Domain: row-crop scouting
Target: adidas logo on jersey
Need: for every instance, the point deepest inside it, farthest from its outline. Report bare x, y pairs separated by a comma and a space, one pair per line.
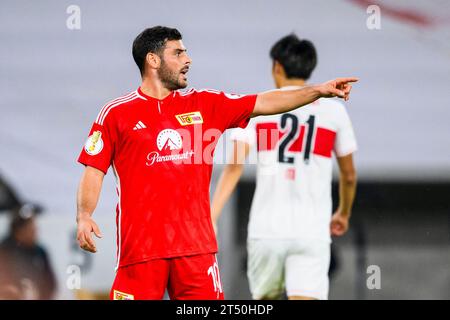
139, 125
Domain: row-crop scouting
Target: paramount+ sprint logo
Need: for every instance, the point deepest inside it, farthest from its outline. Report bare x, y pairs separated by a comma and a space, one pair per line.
188, 144
170, 144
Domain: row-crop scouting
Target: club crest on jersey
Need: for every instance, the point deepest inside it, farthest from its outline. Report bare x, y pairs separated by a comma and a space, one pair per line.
122, 296
186, 119
94, 144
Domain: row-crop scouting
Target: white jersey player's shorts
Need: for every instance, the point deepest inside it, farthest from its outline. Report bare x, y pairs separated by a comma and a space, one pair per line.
299, 267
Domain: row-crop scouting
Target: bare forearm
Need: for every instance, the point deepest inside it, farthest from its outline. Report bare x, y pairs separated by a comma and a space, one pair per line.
88, 192
347, 192
225, 187
280, 101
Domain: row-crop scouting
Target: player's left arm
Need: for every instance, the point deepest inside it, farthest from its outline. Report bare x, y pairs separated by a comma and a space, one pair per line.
347, 190
280, 101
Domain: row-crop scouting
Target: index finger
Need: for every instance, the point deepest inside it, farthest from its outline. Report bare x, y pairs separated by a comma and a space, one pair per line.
347, 80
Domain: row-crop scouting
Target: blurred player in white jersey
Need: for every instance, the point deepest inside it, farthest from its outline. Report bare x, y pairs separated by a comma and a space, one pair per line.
291, 215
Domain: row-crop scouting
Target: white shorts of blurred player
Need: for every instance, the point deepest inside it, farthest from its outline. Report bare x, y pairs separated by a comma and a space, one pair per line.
297, 267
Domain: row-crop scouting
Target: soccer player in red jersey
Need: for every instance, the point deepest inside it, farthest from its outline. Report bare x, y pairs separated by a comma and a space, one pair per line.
160, 142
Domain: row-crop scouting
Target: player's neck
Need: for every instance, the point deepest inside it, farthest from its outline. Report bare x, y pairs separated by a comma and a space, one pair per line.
154, 89
291, 83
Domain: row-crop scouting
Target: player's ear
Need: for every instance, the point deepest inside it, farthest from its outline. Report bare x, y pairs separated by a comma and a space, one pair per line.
278, 69
153, 60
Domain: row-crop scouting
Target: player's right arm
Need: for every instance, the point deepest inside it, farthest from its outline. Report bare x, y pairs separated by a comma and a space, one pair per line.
229, 179
87, 198
281, 101
97, 157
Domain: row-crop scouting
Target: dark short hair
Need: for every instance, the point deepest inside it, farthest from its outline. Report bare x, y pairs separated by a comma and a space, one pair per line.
152, 40
298, 57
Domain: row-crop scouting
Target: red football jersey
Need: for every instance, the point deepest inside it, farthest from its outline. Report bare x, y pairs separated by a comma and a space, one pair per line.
161, 152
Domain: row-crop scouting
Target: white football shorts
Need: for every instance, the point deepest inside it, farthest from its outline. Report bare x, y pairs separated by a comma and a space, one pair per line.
295, 266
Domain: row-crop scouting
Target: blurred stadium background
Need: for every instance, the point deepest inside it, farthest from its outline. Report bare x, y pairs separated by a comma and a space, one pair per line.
53, 81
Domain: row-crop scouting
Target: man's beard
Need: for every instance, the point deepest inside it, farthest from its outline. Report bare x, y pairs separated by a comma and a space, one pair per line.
170, 78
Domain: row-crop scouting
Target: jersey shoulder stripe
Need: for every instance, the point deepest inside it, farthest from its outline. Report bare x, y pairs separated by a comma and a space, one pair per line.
131, 98
193, 90
187, 92
102, 110
114, 103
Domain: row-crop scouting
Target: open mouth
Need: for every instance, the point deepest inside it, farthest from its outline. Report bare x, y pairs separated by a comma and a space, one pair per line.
184, 71
183, 74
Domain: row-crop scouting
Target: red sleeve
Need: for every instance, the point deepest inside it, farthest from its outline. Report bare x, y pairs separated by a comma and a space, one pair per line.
237, 109
230, 110
99, 148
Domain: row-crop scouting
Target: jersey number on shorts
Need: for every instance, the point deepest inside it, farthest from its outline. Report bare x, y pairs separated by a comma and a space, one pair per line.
213, 271
292, 134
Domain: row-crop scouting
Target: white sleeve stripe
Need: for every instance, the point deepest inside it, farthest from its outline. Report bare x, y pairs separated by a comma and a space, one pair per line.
186, 93
102, 118
105, 107
112, 102
192, 90
209, 90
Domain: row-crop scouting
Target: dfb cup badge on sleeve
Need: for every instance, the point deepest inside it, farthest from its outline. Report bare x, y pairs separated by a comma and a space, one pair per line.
94, 144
